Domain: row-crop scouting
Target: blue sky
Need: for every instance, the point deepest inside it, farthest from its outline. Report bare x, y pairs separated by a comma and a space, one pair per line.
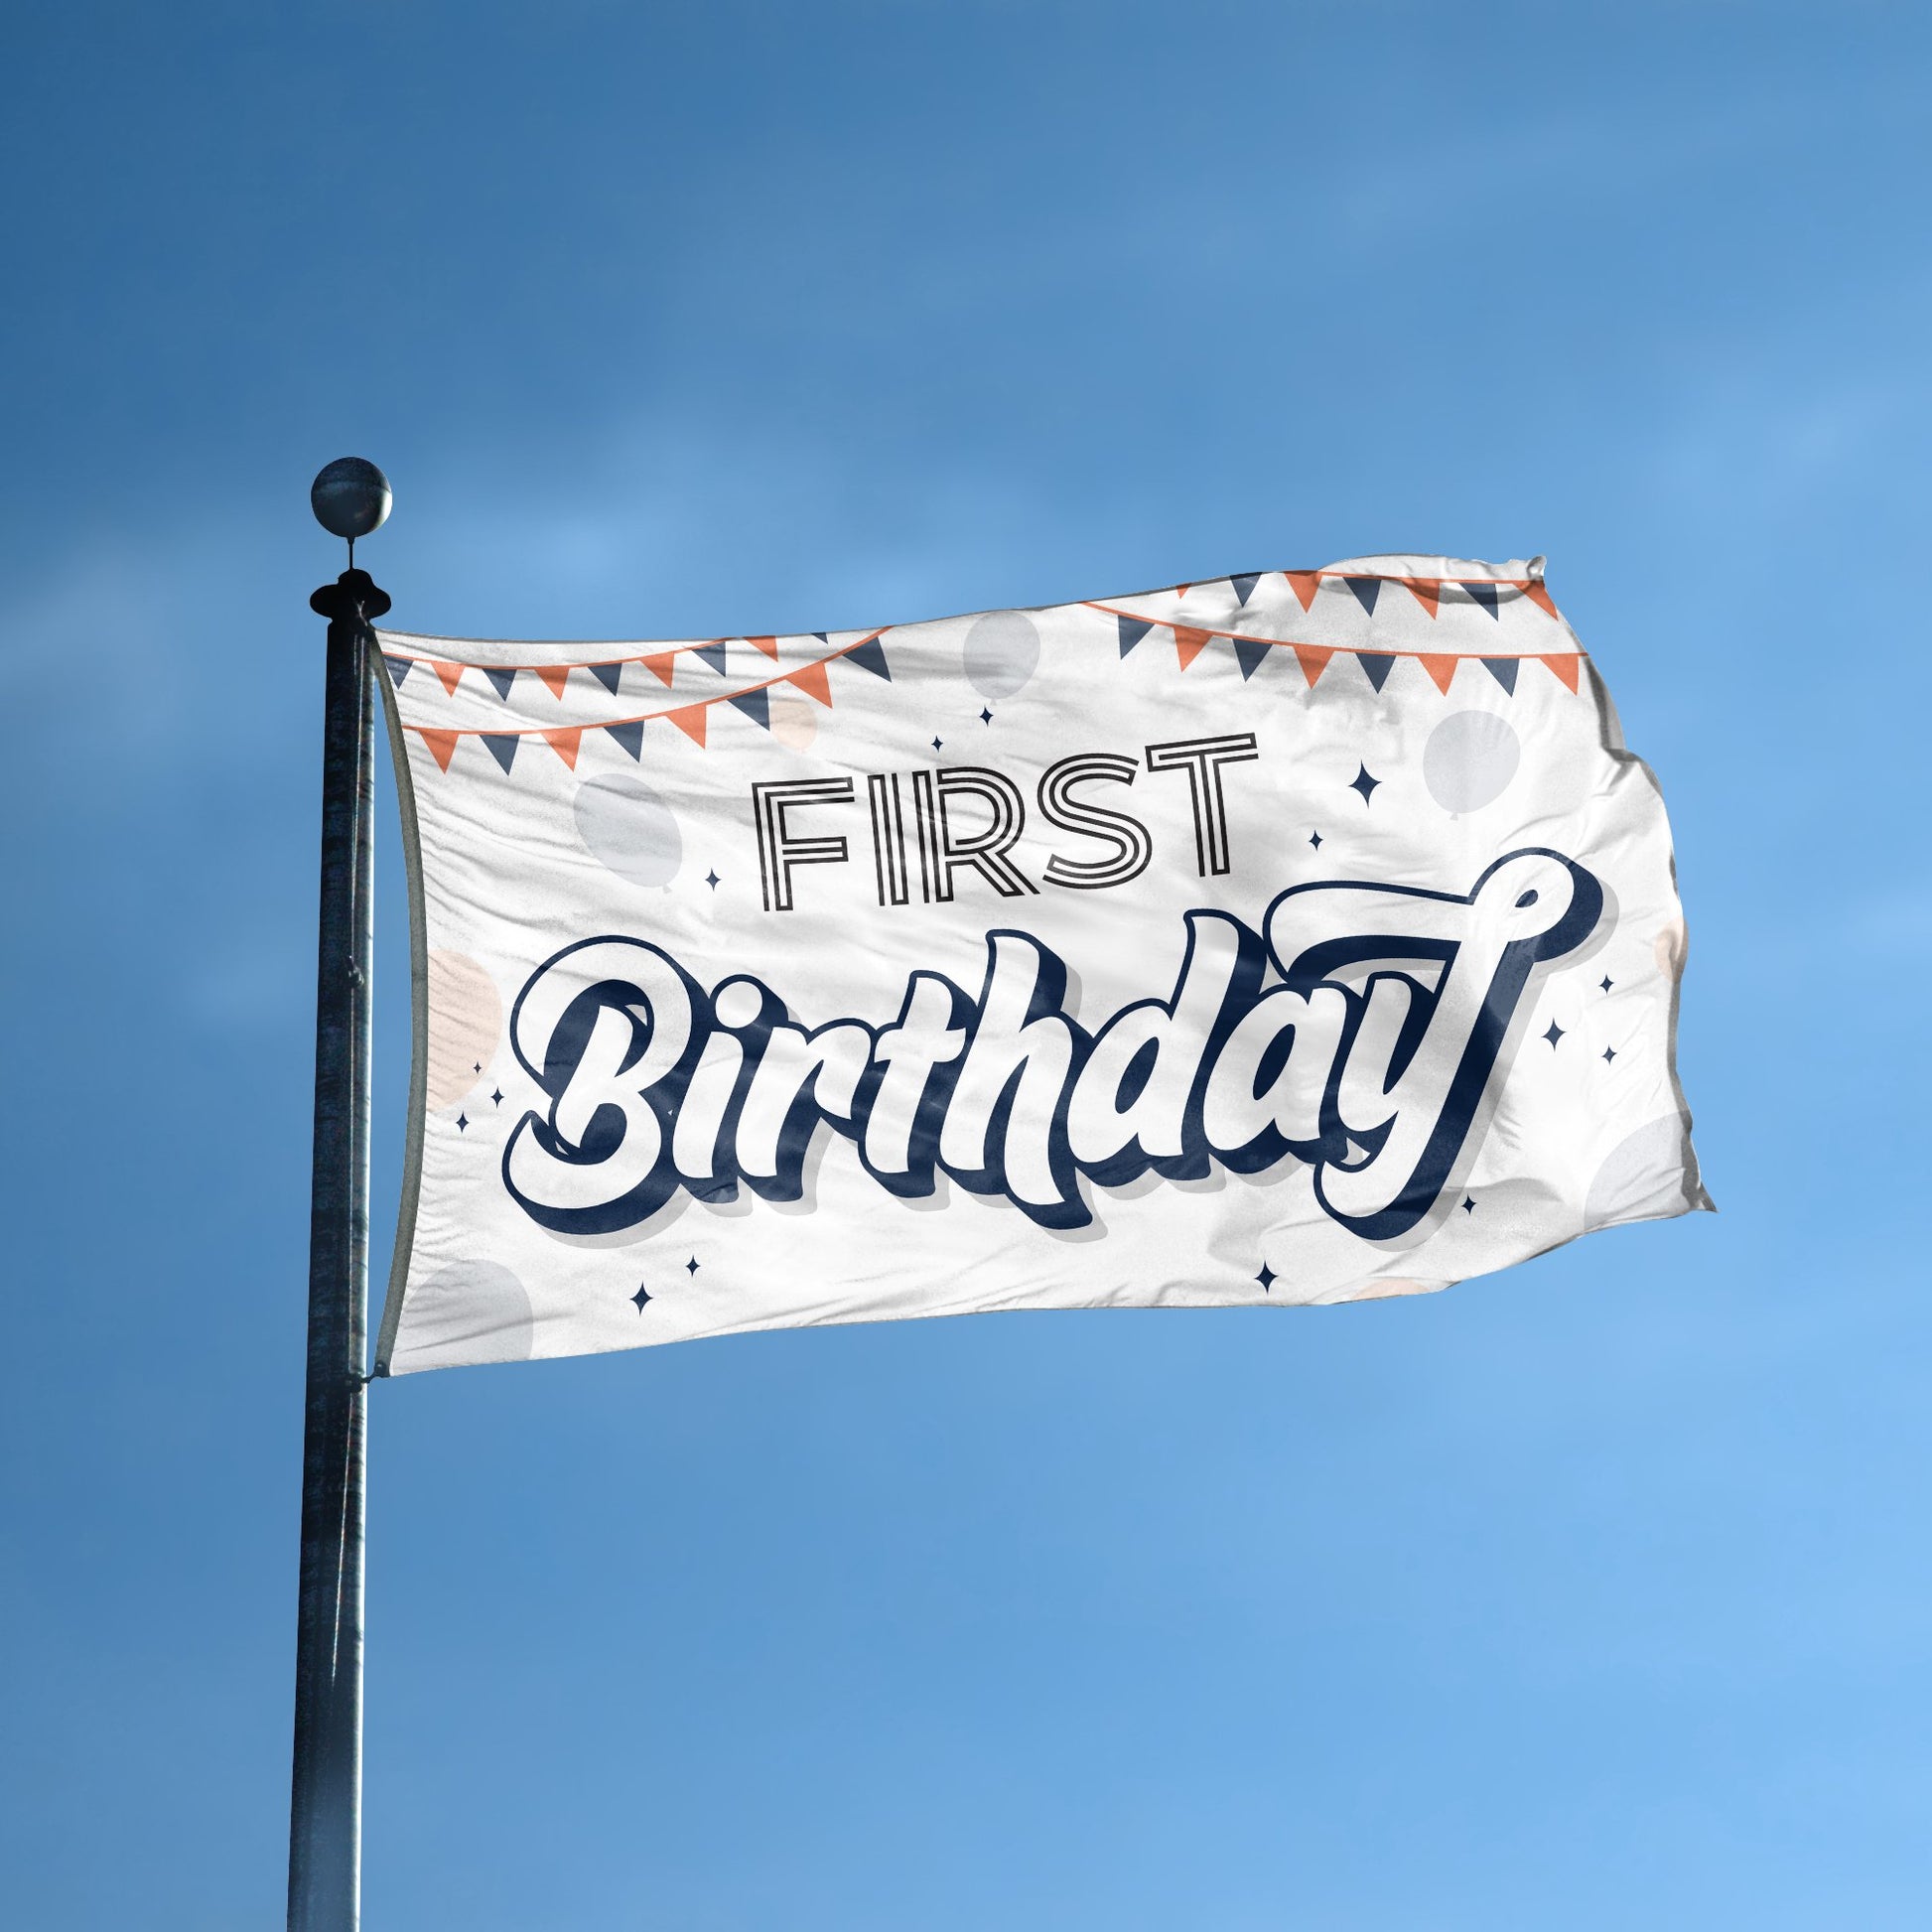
1593, 1594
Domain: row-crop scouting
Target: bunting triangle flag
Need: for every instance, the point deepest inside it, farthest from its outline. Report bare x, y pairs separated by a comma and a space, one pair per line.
755, 705
690, 721
1539, 594
1485, 595
630, 735
1378, 665
399, 668
814, 681
1189, 642
1182, 589
500, 680
503, 746
1313, 660
1367, 590
1251, 654
713, 654
442, 746
1305, 584
554, 677
565, 743
662, 666
1441, 668
769, 646
450, 674
1503, 670
608, 675
1427, 592
1132, 630
1565, 669
1244, 587
871, 654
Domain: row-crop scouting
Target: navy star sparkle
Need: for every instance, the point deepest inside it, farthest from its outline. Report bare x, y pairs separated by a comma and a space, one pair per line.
1554, 1034
642, 1295
691, 1266
1314, 839
1363, 783
1267, 1278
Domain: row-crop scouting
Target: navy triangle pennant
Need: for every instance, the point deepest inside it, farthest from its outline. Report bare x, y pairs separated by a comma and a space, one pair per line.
503, 680
1485, 595
608, 675
712, 654
503, 746
822, 637
1132, 630
872, 654
1251, 653
1378, 665
1367, 590
1503, 670
755, 705
399, 668
630, 735
1244, 587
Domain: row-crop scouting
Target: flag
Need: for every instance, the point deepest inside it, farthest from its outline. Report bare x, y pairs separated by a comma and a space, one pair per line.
990, 963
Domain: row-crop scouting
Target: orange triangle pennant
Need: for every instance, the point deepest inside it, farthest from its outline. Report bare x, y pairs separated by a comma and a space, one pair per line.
451, 674
1428, 593
1313, 660
1182, 589
1441, 668
442, 746
661, 666
1189, 643
690, 721
1536, 592
554, 676
769, 646
815, 682
1305, 584
565, 744
1565, 669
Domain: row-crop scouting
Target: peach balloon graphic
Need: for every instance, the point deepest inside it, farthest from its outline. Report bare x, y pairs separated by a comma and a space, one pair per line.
466, 1021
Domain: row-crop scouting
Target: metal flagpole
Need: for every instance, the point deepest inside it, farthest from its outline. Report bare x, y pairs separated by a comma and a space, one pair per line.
350, 499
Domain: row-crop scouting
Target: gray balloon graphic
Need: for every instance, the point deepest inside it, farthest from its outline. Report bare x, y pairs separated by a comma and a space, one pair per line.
627, 826
1468, 760
469, 1311
1002, 653
1642, 1177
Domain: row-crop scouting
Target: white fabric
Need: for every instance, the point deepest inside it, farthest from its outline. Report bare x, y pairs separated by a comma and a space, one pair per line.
1296, 938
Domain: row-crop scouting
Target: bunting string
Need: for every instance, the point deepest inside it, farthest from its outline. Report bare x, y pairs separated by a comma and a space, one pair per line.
710, 651
565, 739
1251, 651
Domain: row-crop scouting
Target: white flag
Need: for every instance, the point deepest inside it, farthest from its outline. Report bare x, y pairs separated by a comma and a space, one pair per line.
1298, 937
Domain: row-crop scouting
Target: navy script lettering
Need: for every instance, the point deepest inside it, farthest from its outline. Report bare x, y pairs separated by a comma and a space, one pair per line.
1363, 1029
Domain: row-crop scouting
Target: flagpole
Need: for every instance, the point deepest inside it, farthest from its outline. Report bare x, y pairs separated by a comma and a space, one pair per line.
350, 499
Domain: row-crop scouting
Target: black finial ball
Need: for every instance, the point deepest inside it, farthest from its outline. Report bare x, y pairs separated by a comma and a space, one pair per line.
351, 497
